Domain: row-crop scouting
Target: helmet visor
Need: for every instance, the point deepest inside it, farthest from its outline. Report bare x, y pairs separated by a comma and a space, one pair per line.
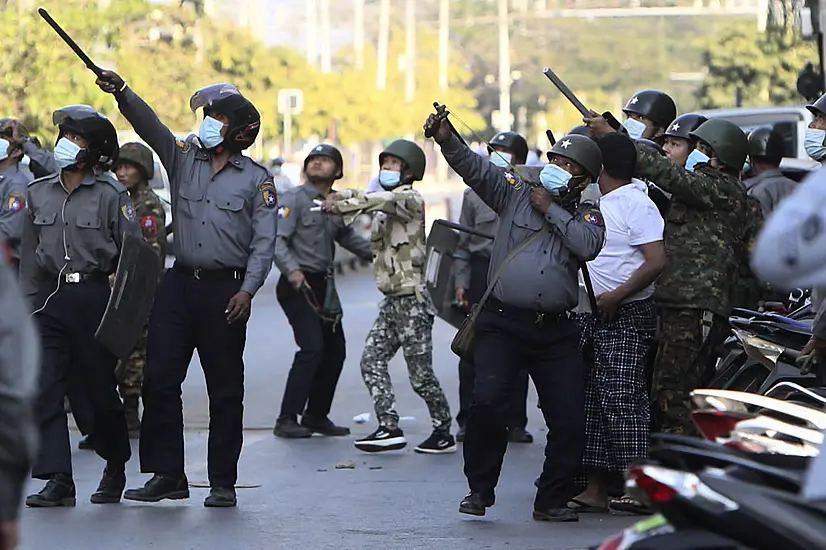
205, 96
75, 112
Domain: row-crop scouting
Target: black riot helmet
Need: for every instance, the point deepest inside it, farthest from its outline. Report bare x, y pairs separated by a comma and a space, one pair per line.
95, 128
512, 142
327, 150
818, 108
225, 99
683, 125
654, 105
766, 144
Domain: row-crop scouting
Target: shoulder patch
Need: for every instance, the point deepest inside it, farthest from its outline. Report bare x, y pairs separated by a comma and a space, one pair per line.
283, 212
270, 198
184, 146
266, 185
16, 202
593, 217
149, 225
128, 212
512, 180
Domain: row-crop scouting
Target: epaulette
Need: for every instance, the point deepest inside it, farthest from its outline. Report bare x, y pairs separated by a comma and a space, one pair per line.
44, 178
258, 164
111, 181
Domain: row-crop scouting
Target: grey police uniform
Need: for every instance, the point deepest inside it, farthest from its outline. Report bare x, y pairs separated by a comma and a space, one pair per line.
306, 241
42, 162
770, 188
71, 244
225, 225
526, 324
19, 368
13, 183
471, 264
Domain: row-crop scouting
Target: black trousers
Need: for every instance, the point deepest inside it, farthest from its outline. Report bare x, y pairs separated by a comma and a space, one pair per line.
188, 314
319, 360
504, 344
74, 362
517, 416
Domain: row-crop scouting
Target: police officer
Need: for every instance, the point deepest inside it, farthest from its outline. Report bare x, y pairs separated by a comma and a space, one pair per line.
472, 264
769, 185
19, 366
41, 161
304, 253
72, 237
224, 212
280, 179
704, 230
13, 182
649, 113
134, 168
525, 322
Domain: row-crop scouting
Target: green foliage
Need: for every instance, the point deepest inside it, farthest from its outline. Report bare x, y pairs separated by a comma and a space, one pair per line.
764, 67
155, 48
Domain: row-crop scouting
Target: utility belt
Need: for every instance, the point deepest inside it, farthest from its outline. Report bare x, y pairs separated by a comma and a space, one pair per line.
524, 315
75, 278
226, 274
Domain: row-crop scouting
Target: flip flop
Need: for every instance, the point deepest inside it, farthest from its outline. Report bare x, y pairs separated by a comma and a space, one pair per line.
629, 505
585, 508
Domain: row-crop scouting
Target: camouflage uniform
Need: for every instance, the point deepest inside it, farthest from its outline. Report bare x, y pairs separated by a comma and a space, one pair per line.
703, 229
406, 314
747, 289
149, 212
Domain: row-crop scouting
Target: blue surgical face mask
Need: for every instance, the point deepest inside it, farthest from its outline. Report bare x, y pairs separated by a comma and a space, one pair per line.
747, 167
210, 132
635, 128
390, 179
65, 153
4, 149
695, 158
554, 179
814, 143
502, 160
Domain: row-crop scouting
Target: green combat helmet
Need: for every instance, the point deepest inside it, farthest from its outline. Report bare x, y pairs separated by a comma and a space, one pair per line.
138, 155
581, 150
410, 153
726, 139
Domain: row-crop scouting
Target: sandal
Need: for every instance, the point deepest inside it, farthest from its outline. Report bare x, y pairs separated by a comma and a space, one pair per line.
584, 508
630, 505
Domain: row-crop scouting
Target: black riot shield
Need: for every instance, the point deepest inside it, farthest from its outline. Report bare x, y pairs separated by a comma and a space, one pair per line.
131, 299
441, 253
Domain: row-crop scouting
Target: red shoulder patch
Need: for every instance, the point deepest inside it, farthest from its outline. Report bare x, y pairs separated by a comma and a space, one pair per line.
149, 225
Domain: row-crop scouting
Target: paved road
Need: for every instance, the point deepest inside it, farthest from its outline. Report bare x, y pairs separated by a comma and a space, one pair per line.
297, 499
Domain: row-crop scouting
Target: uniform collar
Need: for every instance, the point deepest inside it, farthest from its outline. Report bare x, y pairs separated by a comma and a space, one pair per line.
237, 160
88, 178
313, 192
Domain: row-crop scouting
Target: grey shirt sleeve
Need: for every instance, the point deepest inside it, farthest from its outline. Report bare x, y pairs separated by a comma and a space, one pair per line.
122, 223
42, 158
19, 366
461, 261
479, 174
29, 270
264, 230
12, 210
359, 246
583, 234
285, 260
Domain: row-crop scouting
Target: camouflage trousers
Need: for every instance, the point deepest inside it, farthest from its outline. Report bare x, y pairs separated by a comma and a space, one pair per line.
682, 359
130, 372
404, 322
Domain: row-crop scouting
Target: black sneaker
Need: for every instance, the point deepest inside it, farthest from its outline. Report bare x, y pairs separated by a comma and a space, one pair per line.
160, 487
87, 443
288, 428
111, 486
323, 426
555, 514
221, 497
519, 435
383, 439
437, 443
475, 504
58, 491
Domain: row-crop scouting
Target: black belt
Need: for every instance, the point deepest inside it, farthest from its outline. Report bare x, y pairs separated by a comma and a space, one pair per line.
525, 315
72, 278
210, 274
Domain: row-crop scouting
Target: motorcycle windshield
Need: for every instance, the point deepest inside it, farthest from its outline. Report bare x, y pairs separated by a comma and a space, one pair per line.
207, 95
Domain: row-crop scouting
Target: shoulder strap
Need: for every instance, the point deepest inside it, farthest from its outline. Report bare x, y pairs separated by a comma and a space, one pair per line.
504, 263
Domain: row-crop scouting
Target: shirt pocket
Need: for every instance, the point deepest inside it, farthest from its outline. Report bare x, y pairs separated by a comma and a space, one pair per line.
526, 224
88, 220
310, 220
42, 218
231, 205
191, 201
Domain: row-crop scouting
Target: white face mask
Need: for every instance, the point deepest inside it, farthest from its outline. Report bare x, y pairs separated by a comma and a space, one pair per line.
500, 159
695, 158
65, 153
635, 128
814, 143
4, 149
210, 132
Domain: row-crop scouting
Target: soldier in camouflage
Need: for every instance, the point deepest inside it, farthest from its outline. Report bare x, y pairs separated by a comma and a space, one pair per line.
406, 314
134, 168
703, 232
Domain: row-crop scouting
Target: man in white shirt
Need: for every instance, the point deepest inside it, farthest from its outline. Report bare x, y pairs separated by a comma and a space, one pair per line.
617, 339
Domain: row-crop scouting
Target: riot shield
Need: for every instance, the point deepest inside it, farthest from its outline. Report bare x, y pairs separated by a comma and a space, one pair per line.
131, 299
439, 274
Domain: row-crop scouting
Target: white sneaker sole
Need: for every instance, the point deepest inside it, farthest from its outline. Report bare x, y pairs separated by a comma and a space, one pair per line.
446, 450
379, 445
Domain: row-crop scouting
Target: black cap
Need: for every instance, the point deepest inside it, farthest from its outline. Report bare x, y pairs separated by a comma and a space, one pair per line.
619, 155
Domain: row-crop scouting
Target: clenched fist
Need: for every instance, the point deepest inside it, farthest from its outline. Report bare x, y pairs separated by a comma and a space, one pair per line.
110, 82
438, 127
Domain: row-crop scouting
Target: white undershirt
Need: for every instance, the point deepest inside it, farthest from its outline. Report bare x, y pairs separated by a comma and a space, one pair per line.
631, 220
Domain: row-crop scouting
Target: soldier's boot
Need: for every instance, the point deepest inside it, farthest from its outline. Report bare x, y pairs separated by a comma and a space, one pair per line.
289, 428
221, 497
476, 503
133, 419
111, 485
59, 491
160, 487
87, 443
